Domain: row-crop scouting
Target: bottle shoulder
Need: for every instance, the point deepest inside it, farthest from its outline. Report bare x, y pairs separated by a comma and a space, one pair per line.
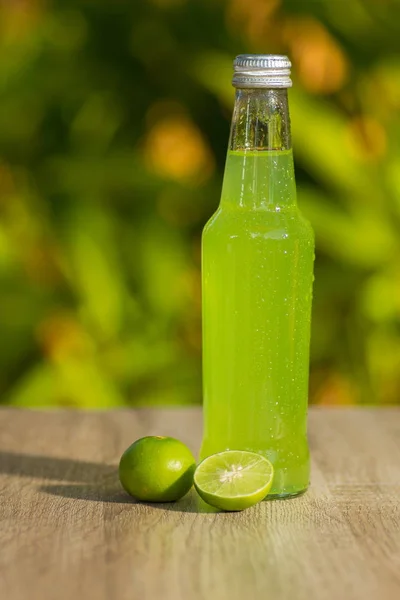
226, 222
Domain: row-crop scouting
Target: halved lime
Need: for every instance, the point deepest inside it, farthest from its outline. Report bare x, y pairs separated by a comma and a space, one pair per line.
234, 480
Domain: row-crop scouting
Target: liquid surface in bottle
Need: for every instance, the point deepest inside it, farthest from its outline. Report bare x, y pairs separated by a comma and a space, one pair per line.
258, 254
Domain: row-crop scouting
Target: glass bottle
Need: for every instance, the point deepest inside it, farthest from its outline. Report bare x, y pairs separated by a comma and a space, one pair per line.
257, 272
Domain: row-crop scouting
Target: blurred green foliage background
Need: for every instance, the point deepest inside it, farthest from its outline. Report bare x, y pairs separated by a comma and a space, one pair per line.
114, 121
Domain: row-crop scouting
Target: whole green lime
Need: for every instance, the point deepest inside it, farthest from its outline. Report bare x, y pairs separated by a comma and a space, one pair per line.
157, 469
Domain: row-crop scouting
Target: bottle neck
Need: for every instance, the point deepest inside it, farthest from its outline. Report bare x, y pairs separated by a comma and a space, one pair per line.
260, 120
259, 172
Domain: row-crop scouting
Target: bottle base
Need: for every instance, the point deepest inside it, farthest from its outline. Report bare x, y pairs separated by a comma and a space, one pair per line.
291, 477
286, 495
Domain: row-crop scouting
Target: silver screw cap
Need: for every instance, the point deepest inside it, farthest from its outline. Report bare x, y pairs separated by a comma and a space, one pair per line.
261, 71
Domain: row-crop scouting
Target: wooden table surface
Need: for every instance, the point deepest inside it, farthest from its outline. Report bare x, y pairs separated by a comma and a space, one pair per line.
68, 531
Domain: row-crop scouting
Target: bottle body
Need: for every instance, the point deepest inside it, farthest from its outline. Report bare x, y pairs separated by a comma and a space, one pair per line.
257, 271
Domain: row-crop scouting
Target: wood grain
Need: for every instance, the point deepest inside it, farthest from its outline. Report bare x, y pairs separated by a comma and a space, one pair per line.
67, 531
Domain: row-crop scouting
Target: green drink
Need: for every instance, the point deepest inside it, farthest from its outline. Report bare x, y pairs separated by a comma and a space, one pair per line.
258, 254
